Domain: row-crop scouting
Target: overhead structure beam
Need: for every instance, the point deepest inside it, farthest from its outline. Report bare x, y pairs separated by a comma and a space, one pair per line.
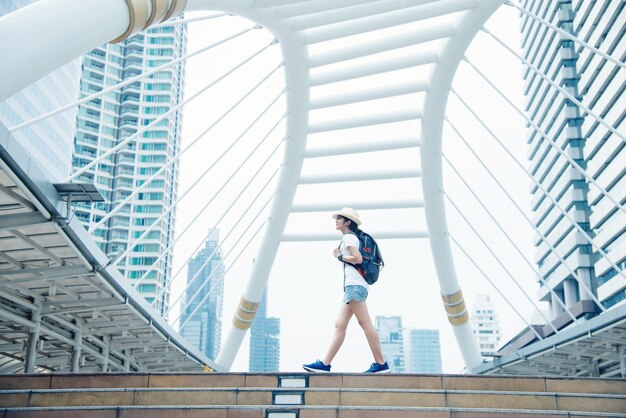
371, 205
19, 220
373, 93
333, 237
372, 22
18, 198
324, 75
366, 146
351, 11
364, 120
37, 246
360, 176
297, 8
388, 43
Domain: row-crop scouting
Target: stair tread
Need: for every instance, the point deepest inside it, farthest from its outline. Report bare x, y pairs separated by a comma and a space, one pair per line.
316, 407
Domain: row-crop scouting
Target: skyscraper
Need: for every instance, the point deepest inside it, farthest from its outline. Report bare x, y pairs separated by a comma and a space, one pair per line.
602, 86
485, 325
50, 141
392, 342
598, 85
264, 341
104, 122
204, 294
424, 351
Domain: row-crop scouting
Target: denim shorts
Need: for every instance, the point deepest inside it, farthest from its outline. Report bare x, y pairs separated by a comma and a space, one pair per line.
354, 293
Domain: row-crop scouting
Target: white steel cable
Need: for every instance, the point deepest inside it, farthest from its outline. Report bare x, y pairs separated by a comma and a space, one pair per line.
497, 289
495, 256
230, 207
542, 236
508, 237
244, 213
556, 86
219, 246
181, 153
173, 242
164, 116
548, 195
227, 270
128, 81
187, 20
567, 35
206, 205
548, 139
182, 196
210, 257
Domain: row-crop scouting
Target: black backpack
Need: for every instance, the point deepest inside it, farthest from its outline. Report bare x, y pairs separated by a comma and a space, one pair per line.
372, 262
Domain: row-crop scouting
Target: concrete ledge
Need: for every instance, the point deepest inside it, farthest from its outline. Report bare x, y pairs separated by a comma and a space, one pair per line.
259, 411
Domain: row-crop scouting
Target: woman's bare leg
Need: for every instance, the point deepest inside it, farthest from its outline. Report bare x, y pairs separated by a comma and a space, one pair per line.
362, 315
343, 319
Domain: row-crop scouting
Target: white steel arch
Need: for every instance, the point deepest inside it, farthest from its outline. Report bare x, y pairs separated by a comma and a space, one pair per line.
54, 43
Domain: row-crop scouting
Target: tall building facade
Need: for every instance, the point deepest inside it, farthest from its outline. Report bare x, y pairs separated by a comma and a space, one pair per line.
599, 86
50, 141
104, 122
485, 326
391, 341
603, 89
264, 341
204, 295
424, 351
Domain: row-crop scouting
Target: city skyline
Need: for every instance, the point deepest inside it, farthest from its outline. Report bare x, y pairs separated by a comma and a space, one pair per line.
264, 341
201, 319
403, 290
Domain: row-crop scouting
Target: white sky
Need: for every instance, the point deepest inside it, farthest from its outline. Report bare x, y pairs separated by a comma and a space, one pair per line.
305, 283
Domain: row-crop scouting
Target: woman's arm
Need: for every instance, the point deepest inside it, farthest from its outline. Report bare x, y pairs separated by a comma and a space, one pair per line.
355, 256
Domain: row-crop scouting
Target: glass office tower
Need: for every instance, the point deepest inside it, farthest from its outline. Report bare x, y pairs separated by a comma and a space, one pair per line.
202, 317
50, 141
391, 341
599, 85
264, 341
104, 122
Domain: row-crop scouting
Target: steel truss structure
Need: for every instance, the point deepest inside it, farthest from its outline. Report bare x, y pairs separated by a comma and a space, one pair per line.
62, 307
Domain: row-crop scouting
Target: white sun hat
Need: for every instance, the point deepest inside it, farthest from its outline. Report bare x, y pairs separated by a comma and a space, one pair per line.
349, 213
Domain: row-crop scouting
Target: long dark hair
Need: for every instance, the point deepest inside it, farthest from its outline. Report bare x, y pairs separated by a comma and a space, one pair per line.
353, 226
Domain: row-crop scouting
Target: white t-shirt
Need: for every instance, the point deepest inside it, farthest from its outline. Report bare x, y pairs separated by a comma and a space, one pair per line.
350, 275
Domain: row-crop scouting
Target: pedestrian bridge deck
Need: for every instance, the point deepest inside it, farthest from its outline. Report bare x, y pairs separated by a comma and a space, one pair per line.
62, 307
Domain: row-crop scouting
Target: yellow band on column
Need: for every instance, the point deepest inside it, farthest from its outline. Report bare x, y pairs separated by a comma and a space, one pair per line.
157, 12
453, 298
245, 314
458, 320
455, 308
138, 13
176, 8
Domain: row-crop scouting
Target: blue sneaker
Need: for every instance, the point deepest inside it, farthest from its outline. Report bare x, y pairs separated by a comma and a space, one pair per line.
378, 368
317, 367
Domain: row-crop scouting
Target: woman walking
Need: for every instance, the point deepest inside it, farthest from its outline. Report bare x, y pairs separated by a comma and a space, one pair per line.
355, 289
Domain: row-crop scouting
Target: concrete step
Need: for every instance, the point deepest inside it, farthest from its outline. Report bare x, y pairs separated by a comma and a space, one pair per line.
429, 398
332, 380
252, 411
289, 395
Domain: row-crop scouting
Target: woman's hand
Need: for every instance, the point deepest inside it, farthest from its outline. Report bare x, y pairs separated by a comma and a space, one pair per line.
336, 252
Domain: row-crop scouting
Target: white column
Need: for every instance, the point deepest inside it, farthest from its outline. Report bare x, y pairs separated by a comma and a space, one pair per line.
77, 349
33, 339
432, 121
570, 293
43, 36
